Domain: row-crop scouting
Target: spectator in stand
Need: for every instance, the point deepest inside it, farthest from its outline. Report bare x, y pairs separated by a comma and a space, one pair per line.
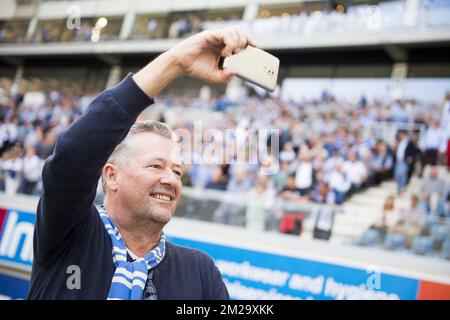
260, 201
432, 184
2, 172
322, 194
437, 188
417, 156
355, 171
32, 169
45, 36
2, 31
338, 183
289, 192
8, 132
239, 182
404, 158
389, 219
174, 30
12, 168
201, 174
383, 162
330, 144
431, 143
304, 173
186, 178
445, 125
218, 180
287, 154
367, 160
47, 145
425, 203
280, 178
411, 221
152, 26
332, 161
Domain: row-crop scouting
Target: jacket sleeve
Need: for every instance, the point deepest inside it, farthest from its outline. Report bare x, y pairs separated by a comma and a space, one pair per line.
70, 175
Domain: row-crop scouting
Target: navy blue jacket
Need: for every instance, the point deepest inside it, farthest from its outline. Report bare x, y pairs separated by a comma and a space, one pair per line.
69, 231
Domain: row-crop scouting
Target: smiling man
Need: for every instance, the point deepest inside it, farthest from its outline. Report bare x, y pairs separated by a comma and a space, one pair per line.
119, 250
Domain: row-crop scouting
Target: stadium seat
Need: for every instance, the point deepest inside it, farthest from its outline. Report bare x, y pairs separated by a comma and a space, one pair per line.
395, 241
423, 245
439, 233
370, 237
445, 250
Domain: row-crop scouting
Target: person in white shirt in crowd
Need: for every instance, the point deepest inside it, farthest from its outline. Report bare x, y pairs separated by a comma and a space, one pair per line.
8, 131
304, 173
332, 161
269, 165
390, 217
287, 154
355, 170
12, 167
431, 143
31, 173
338, 183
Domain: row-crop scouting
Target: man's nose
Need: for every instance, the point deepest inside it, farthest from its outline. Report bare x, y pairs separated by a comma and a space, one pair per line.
169, 177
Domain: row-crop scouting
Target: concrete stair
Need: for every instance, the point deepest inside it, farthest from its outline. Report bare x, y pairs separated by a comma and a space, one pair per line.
363, 209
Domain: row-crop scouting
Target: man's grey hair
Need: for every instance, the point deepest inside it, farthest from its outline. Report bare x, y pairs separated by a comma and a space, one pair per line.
122, 150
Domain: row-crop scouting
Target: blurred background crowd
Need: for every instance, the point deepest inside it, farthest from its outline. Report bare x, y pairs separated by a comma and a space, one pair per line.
373, 170
327, 152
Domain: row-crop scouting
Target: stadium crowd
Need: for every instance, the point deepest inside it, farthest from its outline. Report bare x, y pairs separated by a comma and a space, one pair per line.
327, 151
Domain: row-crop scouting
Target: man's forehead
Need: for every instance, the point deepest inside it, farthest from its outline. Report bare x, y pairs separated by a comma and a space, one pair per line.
151, 145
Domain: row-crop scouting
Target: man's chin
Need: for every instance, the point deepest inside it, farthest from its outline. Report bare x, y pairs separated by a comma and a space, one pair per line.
161, 218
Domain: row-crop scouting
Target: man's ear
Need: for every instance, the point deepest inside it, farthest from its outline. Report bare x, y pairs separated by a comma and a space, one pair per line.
110, 175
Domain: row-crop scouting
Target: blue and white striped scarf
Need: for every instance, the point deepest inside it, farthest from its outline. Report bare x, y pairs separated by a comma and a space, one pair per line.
129, 279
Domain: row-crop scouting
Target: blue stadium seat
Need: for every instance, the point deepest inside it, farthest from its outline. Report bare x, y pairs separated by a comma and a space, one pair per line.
395, 241
370, 237
439, 232
445, 251
430, 220
423, 245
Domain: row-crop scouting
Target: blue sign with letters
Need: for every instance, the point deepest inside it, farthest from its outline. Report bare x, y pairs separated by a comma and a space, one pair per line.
248, 274
16, 238
257, 275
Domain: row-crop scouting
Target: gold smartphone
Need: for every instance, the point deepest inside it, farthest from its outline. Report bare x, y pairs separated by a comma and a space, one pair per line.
254, 65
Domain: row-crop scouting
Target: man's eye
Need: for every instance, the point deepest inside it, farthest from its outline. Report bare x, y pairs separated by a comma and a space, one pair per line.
178, 173
156, 166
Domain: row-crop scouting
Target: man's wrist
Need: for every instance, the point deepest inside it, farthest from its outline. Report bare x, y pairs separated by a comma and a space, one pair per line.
175, 69
155, 76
